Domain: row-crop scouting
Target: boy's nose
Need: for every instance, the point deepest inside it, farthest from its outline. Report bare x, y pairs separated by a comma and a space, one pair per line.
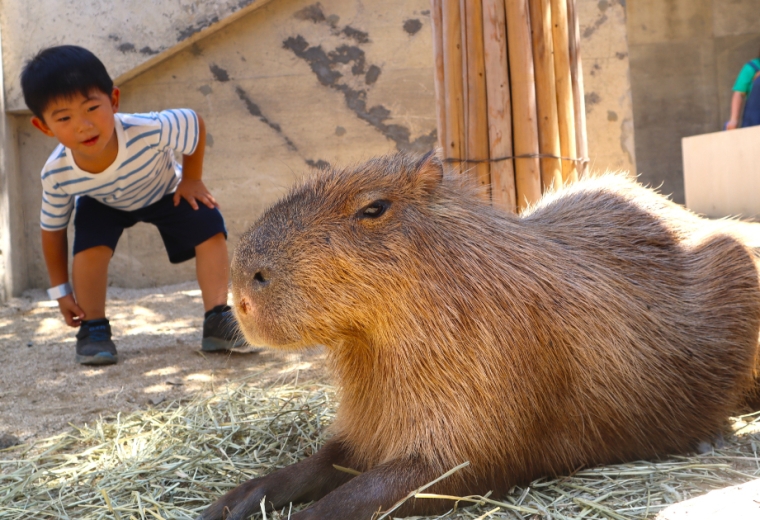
85, 123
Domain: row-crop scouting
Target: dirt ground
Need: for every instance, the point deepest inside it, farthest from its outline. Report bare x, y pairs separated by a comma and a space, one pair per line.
157, 333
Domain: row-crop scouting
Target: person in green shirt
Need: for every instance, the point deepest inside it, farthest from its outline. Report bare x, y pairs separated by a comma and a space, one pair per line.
743, 90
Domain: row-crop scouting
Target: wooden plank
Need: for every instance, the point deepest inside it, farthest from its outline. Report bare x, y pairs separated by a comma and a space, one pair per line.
522, 81
476, 116
503, 192
736, 502
722, 173
546, 94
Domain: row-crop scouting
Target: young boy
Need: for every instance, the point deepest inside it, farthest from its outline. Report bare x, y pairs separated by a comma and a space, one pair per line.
119, 169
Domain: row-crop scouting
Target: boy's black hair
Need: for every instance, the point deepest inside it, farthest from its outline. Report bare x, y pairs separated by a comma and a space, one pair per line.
61, 72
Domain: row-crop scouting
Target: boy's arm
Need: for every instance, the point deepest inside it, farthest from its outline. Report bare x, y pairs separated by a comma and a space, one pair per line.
191, 187
55, 251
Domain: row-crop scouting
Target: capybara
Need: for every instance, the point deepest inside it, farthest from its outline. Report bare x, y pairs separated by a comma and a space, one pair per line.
605, 324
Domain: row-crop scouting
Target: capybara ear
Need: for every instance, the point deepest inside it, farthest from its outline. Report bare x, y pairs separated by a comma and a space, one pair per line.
429, 171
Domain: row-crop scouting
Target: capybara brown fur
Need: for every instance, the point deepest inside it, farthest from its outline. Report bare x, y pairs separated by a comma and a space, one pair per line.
605, 324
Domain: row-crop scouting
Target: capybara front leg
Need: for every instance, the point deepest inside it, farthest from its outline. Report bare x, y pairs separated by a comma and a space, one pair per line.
309, 479
378, 490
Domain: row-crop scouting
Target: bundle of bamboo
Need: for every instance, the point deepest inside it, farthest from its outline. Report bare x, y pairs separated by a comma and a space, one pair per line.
509, 92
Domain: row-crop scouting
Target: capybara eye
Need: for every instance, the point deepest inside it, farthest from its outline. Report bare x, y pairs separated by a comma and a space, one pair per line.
375, 209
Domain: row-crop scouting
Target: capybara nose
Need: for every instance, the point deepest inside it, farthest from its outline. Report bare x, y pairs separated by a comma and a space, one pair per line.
261, 279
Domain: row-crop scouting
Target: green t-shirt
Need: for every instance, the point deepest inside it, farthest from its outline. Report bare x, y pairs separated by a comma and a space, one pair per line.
746, 76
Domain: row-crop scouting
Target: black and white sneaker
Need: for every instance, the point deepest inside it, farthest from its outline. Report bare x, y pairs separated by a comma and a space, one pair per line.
220, 330
94, 345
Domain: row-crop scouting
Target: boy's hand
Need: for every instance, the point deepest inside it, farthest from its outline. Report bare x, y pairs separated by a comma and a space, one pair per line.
72, 313
192, 191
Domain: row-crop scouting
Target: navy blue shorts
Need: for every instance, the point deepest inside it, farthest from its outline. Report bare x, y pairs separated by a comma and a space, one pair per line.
181, 227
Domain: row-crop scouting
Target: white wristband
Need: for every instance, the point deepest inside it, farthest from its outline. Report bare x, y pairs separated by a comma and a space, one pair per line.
59, 291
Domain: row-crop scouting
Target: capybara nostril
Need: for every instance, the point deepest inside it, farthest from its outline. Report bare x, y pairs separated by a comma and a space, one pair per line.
260, 280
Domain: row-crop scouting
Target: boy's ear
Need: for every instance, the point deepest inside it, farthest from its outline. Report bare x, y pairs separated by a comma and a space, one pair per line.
115, 96
40, 125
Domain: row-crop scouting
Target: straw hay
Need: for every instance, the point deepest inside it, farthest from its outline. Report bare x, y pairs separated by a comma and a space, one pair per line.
174, 460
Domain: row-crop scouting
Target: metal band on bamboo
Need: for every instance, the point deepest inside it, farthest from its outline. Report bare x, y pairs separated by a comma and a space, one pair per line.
579, 160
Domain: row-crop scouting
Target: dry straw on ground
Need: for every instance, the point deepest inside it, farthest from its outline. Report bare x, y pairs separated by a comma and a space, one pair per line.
173, 461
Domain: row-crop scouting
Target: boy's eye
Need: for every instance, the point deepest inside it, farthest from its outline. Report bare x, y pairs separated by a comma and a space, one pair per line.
94, 107
62, 119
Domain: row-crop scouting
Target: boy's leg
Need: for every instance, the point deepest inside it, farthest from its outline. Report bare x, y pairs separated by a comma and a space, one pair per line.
212, 270
220, 331
97, 228
189, 232
90, 277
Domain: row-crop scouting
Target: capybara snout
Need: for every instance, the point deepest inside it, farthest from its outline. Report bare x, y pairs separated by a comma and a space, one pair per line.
605, 324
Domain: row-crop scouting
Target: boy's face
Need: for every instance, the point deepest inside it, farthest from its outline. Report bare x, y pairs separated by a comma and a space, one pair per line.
85, 125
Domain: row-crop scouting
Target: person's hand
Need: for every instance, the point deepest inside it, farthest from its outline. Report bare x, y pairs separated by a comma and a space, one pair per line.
192, 191
732, 124
72, 313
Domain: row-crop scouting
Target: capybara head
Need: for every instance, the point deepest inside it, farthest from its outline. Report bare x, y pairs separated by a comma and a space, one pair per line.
333, 257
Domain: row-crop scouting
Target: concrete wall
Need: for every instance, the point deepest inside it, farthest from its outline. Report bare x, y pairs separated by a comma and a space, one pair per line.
13, 271
609, 114
291, 85
129, 36
685, 55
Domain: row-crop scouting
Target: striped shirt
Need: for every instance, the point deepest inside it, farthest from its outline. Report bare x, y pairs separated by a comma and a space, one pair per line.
144, 171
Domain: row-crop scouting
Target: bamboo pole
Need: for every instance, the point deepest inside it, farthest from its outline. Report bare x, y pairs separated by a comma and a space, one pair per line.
476, 115
565, 102
524, 125
454, 99
440, 86
503, 193
464, 166
576, 71
546, 94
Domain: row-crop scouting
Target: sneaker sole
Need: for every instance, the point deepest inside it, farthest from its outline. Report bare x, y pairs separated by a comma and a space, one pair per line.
219, 345
103, 358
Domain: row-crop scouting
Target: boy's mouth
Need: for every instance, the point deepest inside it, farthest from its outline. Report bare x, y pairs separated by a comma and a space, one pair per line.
91, 141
